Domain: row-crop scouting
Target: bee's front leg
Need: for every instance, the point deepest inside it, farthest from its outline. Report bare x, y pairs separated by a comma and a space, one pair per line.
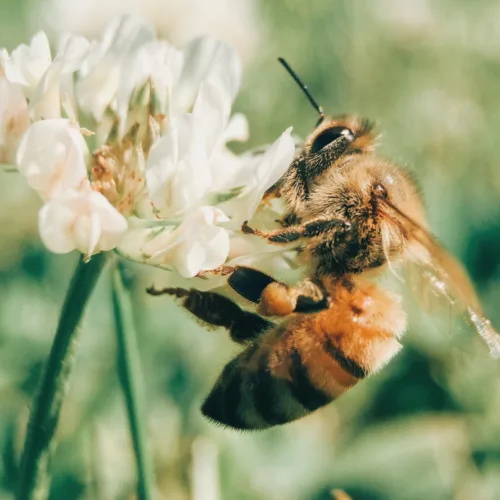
319, 162
308, 166
310, 229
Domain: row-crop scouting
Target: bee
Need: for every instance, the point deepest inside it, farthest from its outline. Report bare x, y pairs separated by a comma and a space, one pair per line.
349, 216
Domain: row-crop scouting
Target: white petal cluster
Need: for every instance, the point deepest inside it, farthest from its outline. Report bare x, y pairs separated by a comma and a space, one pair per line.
150, 174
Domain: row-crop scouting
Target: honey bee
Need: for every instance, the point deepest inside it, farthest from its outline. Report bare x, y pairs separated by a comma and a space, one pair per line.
349, 215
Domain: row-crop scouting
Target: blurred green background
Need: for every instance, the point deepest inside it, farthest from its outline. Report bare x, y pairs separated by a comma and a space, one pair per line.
428, 426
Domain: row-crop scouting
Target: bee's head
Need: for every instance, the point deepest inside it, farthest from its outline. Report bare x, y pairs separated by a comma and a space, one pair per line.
359, 191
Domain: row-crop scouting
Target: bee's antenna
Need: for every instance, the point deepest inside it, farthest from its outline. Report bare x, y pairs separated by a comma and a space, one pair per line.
304, 88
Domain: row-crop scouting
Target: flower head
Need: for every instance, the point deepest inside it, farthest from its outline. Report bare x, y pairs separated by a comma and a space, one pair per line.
151, 175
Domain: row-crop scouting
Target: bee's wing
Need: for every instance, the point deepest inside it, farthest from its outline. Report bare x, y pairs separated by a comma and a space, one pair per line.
444, 276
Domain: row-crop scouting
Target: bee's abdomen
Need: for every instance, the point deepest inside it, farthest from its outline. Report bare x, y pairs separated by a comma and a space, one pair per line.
309, 361
271, 384
249, 396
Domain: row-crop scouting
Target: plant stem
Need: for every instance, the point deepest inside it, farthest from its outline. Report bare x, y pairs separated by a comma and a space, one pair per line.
130, 374
34, 480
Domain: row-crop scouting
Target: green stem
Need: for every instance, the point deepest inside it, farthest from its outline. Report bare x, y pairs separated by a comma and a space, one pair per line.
130, 374
34, 480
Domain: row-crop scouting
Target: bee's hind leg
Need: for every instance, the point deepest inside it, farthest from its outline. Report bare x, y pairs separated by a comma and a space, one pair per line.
217, 310
275, 298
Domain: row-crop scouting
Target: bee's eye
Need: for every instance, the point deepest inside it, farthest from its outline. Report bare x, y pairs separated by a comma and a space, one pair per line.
329, 135
380, 190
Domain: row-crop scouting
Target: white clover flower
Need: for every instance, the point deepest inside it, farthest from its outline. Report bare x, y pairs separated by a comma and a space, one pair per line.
157, 63
177, 171
28, 63
80, 219
52, 156
56, 85
197, 244
258, 175
210, 62
14, 119
151, 176
103, 69
161, 245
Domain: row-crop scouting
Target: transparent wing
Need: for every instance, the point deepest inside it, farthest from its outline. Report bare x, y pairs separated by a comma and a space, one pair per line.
443, 275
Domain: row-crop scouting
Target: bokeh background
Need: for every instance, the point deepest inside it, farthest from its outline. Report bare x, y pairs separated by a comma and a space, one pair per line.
428, 426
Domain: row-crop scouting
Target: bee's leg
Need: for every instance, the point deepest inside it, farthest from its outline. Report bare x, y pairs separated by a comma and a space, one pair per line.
313, 228
297, 179
276, 191
311, 294
276, 298
293, 185
279, 299
318, 162
273, 192
305, 168
217, 310
249, 282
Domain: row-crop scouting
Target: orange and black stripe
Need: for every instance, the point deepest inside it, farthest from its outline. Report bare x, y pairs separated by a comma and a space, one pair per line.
275, 400
347, 364
302, 389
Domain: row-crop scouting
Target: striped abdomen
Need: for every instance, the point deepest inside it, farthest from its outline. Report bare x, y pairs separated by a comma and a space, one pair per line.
305, 364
